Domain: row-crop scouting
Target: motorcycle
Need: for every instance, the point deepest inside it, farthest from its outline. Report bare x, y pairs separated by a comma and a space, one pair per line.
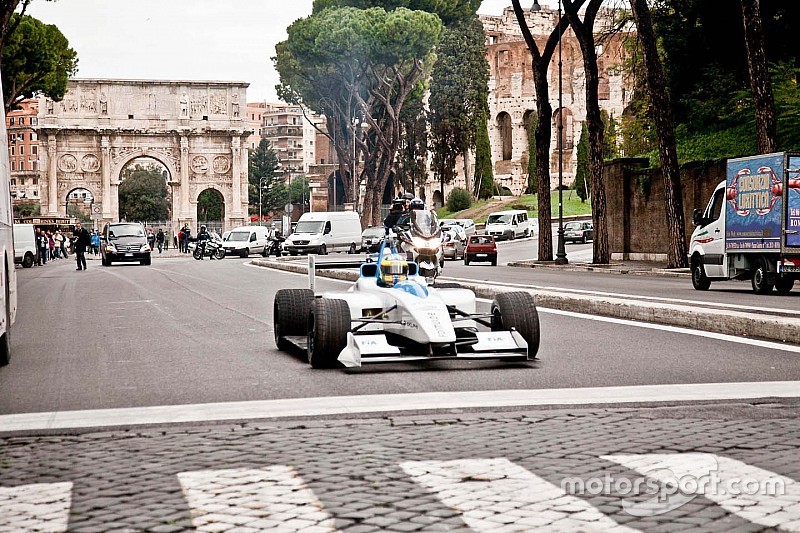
421, 240
275, 246
213, 248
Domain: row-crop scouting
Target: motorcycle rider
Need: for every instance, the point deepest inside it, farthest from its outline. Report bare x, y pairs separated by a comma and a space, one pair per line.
202, 238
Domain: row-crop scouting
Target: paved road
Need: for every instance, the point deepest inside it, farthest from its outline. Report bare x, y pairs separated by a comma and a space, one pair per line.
187, 332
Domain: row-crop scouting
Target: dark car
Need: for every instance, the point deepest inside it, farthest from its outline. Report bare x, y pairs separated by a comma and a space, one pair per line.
371, 239
124, 242
578, 232
481, 248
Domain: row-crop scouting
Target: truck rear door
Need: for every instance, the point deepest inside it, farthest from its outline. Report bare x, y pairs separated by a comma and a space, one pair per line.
792, 195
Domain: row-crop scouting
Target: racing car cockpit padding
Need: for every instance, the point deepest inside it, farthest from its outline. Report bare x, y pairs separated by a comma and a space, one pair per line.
412, 287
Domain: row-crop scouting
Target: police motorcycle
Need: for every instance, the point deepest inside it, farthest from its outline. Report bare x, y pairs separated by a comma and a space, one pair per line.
420, 237
275, 244
213, 248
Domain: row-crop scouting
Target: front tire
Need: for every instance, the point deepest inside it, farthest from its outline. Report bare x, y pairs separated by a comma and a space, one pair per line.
290, 314
220, 254
323, 250
246, 253
352, 250
328, 326
699, 279
197, 254
517, 310
761, 278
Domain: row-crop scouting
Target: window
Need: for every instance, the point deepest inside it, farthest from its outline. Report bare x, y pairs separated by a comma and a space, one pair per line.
13, 165
21, 121
13, 181
715, 209
34, 121
36, 193
22, 149
11, 121
36, 181
34, 136
34, 150
12, 149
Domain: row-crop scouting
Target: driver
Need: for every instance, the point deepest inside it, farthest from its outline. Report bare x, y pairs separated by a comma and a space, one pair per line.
393, 271
202, 238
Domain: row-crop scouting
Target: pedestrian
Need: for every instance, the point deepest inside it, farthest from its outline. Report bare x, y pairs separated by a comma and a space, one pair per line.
187, 234
63, 244
160, 239
181, 237
151, 239
166, 240
82, 241
51, 245
41, 247
95, 242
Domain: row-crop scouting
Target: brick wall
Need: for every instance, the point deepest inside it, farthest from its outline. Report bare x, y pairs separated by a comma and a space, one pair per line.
636, 220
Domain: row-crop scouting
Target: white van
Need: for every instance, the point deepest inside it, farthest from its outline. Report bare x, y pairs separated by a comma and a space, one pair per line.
326, 232
247, 240
508, 224
24, 245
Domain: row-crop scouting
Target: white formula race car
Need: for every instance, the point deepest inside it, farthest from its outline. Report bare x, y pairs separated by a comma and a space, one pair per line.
380, 320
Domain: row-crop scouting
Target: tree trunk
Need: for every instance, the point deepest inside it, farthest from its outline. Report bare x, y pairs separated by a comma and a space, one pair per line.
760, 81
584, 32
665, 133
467, 174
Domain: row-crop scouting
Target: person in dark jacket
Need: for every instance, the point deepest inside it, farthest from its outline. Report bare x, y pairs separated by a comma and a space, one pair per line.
82, 241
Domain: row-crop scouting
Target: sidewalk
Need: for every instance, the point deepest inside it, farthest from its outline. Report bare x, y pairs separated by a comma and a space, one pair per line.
551, 470
636, 268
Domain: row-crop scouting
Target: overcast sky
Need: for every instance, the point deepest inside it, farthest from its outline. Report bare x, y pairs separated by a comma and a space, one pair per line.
182, 39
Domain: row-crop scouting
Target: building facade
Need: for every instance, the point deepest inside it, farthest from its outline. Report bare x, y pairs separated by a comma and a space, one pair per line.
512, 96
23, 150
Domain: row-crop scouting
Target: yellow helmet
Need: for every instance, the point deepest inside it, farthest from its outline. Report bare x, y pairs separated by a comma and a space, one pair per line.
393, 271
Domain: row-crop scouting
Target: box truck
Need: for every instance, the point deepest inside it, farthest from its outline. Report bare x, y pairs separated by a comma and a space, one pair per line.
750, 229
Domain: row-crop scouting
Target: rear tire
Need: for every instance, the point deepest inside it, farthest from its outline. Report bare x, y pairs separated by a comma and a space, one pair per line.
761, 278
246, 253
290, 314
784, 285
517, 310
5, 340
352, 250
323, 250
466, 260
699, 279
328, 326
197, 254
220, 254
28, 260
494, 262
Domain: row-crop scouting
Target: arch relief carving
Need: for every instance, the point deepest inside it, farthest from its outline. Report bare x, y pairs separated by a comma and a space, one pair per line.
90, 163
68, 163
221, 164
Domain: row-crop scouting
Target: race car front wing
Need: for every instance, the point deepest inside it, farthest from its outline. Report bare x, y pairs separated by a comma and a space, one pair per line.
369, 348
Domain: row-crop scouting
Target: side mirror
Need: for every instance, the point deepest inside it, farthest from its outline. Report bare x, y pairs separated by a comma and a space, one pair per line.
697, 217
327, 231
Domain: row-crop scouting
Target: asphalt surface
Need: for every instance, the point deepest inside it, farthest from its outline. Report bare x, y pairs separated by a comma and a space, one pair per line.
187, 332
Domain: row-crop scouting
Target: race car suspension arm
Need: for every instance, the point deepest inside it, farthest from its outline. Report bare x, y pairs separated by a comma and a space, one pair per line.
376, 319
477, 318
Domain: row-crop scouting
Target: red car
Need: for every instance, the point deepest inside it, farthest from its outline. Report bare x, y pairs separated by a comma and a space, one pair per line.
481, 248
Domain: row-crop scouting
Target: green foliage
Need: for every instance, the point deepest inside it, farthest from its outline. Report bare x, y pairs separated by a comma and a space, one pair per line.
412, 156
36, 59
449, 11
484, 173
210, 206
533, 179
263, 170
458, 95
76, 211
299, 191
582, 178
28, 208
143, 193
458, 200
610, 141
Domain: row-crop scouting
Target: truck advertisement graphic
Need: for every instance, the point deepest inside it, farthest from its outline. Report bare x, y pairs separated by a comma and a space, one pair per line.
754, 203
793, 203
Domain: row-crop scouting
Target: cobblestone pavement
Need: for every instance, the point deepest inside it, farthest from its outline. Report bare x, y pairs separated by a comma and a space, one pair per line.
512, 471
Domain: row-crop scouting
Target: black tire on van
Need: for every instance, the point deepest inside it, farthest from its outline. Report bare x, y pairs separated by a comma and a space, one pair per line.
28, 260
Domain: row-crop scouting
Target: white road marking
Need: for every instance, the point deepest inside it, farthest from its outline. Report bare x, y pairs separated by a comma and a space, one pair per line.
499, 496
695, 303
266, 499
754, 494
37, 507
349, 405
670, 329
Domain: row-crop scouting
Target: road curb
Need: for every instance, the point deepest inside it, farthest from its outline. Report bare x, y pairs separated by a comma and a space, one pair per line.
766, 327
621, 270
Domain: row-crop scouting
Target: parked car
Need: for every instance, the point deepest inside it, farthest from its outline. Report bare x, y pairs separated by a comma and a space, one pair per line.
247, 240
467, 223
578, 232
124, 242
371, 239
24, 245
481, 248
454, 241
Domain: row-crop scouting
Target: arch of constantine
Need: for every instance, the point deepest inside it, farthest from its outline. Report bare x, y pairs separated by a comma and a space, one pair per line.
196, 129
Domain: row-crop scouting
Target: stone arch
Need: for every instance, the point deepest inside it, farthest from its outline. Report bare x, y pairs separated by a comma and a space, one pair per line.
82, 197
567, 141
214, 223
119, 165
506, 135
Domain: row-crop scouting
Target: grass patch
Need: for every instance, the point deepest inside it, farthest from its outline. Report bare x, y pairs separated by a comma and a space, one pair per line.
572, 206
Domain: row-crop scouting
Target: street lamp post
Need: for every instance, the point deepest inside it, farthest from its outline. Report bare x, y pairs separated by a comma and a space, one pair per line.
561, 252
260, 198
